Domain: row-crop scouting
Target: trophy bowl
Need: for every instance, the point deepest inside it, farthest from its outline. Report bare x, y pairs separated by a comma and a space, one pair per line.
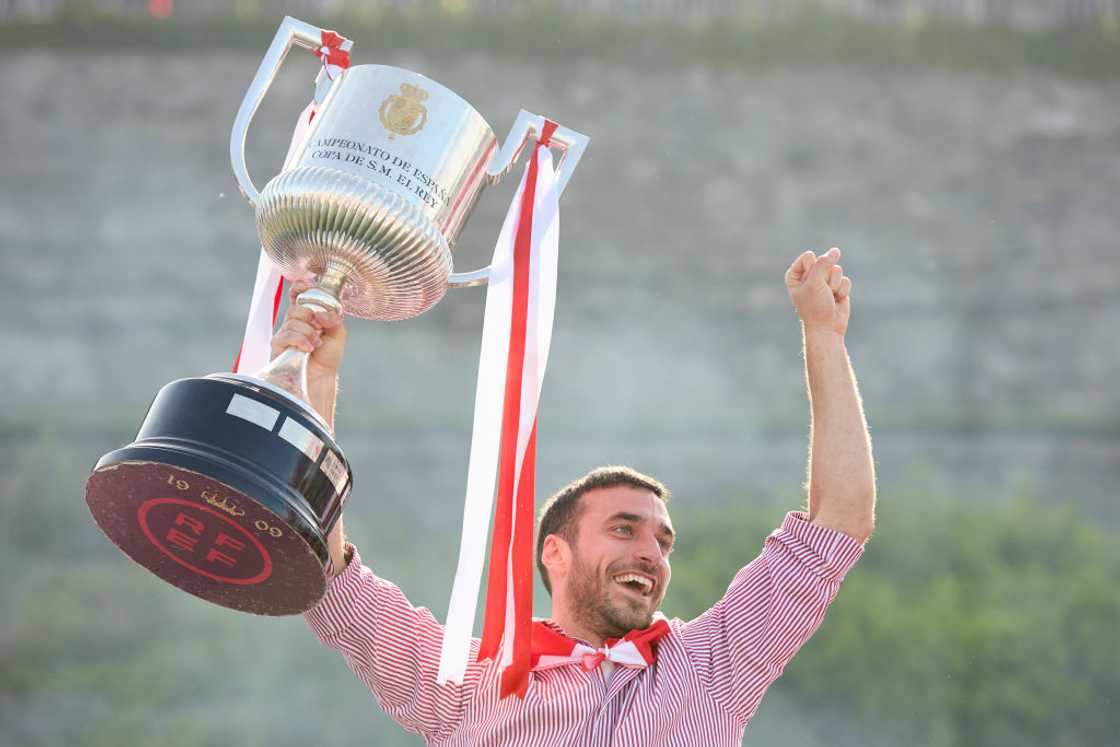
383, 256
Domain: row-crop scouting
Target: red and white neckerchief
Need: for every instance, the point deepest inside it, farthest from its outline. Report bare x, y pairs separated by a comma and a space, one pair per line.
636, 649
517, 332
268, 288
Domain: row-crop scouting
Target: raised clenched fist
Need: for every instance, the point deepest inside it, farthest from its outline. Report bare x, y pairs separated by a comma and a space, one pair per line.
820, 291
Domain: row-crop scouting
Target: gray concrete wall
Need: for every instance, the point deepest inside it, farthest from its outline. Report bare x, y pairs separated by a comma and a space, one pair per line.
977, 215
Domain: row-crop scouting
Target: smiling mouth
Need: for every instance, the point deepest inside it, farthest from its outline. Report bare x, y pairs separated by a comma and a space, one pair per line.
635, 583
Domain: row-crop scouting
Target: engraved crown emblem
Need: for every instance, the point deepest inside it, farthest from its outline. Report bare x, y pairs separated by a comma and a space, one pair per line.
404, 113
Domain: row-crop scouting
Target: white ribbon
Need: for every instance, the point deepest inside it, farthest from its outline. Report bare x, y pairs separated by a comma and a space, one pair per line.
257, 343
486, 432
623, 653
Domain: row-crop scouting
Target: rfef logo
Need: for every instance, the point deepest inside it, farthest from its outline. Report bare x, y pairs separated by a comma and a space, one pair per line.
204, 541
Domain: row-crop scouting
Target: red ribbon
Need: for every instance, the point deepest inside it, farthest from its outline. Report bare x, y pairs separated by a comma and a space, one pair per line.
515, 511
546, 133
591, 661
331, 51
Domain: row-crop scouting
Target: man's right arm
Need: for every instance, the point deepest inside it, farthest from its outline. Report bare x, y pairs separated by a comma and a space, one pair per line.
336, 543
322, 335
393, 648
390, 645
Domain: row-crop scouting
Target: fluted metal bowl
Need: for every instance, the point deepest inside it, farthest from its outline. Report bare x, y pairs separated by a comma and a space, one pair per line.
315, 221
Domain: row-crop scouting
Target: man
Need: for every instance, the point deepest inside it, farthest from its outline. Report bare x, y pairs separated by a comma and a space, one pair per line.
603, 552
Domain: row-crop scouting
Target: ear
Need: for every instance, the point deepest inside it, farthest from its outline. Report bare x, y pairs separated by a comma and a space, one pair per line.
556, 554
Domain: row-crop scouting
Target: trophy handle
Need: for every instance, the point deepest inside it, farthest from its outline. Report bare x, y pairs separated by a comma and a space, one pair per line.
526, 126
291, 31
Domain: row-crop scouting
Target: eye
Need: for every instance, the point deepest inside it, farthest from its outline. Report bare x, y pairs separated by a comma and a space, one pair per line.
623, 530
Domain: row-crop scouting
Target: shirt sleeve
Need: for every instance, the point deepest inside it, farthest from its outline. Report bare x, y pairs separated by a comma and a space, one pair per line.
773, 605
393, 647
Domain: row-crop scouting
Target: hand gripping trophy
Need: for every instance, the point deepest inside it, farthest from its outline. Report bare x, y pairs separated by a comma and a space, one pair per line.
233, 481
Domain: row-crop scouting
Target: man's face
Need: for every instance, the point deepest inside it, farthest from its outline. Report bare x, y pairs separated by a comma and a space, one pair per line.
620, 560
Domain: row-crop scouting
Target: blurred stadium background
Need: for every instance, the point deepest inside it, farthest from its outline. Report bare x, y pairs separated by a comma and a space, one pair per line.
1024, 13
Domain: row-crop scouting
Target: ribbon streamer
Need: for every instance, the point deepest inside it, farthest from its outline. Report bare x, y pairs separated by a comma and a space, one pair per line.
268, 288
517, 333
334, 52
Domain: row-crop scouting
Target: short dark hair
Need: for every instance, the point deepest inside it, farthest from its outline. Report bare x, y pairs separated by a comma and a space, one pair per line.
561, 511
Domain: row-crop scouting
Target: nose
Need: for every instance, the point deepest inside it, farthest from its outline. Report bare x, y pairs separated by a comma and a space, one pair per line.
648, 550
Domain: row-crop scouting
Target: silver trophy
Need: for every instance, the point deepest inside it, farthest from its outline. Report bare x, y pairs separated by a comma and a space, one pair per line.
233, 481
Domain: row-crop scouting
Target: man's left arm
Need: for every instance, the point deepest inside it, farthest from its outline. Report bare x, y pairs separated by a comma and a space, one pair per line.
841, 470
775, 603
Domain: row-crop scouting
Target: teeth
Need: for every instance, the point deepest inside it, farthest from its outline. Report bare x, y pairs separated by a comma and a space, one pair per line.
646, 584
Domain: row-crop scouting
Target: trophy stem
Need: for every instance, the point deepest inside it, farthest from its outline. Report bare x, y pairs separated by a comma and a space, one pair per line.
328, 288
288, 371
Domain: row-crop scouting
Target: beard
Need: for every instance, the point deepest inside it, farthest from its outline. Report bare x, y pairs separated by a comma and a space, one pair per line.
610, 615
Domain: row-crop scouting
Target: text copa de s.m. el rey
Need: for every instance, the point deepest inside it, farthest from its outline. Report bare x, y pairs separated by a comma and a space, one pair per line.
384, 164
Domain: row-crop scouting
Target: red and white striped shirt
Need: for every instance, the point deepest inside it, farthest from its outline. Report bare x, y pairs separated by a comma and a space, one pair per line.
709, 677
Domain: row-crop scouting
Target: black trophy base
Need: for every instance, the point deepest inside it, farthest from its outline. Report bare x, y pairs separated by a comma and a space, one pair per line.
228, 492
